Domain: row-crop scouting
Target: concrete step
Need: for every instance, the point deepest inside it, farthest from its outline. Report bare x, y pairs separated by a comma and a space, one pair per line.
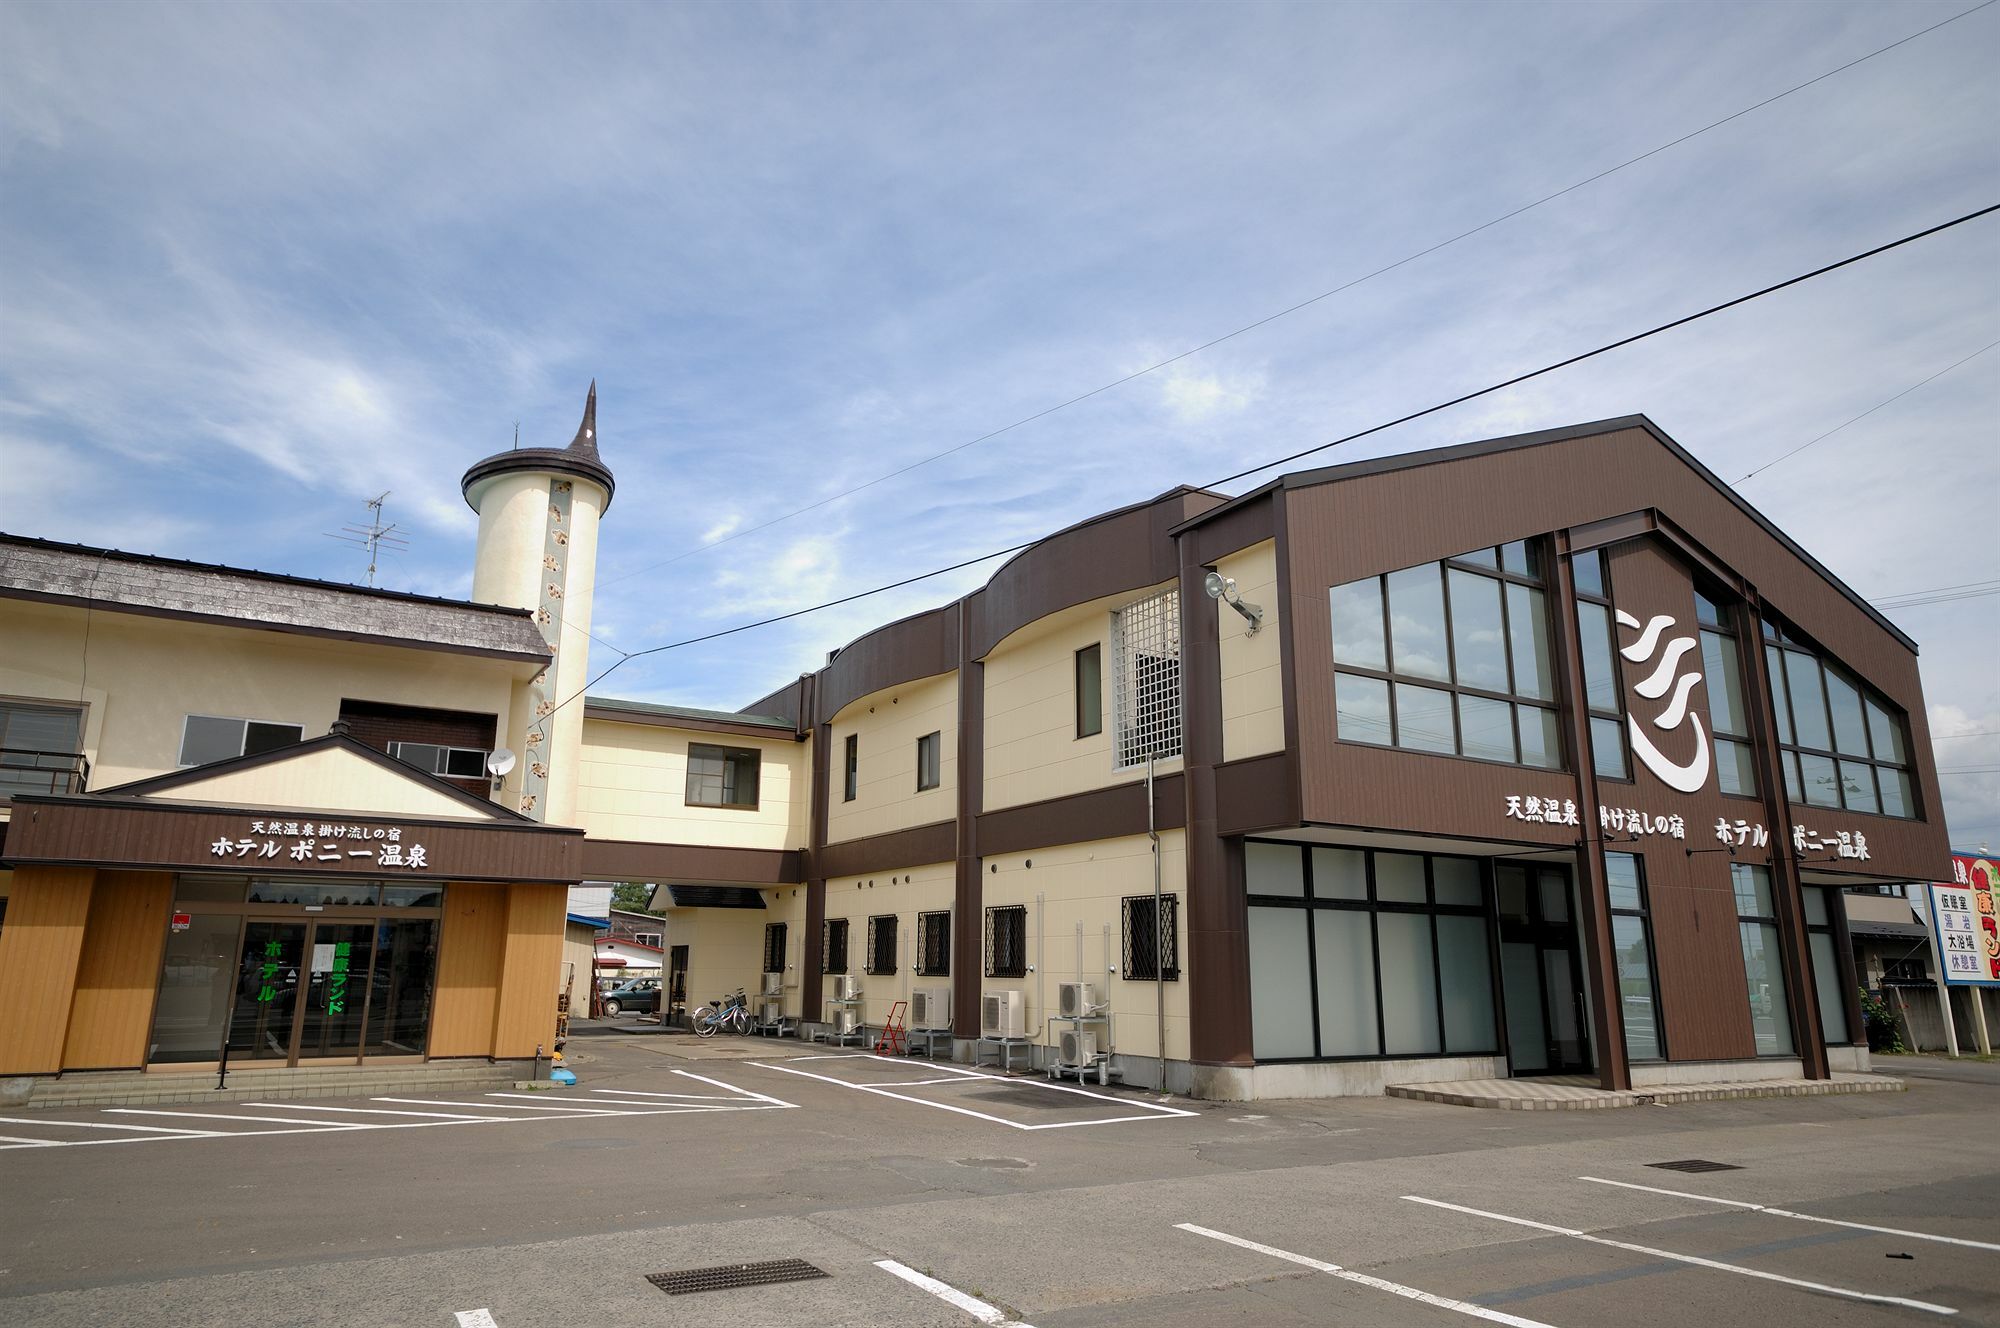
136, 1089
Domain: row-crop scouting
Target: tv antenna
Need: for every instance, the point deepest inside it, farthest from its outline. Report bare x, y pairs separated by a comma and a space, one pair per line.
374, 537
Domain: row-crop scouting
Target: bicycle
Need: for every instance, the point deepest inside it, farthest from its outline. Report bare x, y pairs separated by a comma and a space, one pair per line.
730, 1014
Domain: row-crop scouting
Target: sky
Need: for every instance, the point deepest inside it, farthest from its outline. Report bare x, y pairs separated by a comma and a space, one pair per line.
259, 264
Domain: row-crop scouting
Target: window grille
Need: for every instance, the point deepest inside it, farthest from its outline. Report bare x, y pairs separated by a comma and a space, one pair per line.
882, 944
1146, 680
774, 947
833, 946
1007, 942
1152, 953
933, 945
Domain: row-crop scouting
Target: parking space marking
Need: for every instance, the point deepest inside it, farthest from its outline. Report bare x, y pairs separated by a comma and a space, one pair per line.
951, 1295
967, 1076
105, 1125
1802, 1217
1694, 1259
225, 1115
476, 1319
1363, 1279
370, 1111
27, 1143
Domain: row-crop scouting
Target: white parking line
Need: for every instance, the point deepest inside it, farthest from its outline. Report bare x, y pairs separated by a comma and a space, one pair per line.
740, 1092
224, 1115
27, 1143
1158, 1112
951, 1295
439, 1116
1802, 1217
1363, 1279
104, 1125
1696, 1260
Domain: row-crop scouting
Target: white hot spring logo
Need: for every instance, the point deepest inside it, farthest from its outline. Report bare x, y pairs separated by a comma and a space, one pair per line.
1665, 677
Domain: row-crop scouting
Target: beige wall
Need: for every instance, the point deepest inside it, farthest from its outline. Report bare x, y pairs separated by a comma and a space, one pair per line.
725, 950
1032, 751
904, 892
888, 724
144, 675
1073, 895
634, 787
1253, 692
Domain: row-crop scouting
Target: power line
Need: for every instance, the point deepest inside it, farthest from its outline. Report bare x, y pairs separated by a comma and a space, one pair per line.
1291, 309
1870, 411
1321, 447
1953, 737
1920, 601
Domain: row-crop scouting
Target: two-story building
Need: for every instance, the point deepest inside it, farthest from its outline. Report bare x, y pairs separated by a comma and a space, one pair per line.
1541, 755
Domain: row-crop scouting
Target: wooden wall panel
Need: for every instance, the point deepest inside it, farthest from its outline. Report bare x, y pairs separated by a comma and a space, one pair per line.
526, 1014
471, 950
112, 1012
47, 909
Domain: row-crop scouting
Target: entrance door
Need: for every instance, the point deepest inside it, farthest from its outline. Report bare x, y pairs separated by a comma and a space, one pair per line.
1541, 972
269, 969
336, 992
301, 991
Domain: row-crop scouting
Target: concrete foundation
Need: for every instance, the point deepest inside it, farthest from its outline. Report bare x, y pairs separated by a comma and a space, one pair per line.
1717, 1072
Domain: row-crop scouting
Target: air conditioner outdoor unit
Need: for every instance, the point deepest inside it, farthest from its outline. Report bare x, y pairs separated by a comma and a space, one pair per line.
847, 987
1076, 999
1079, 1047
1003, 1014
930, 1008
773, 983
770, 1009
846, 1021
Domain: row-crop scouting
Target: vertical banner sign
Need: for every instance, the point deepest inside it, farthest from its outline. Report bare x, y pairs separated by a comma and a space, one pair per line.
1966, 914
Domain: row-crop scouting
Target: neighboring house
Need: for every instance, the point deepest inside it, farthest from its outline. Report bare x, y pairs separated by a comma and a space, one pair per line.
1547, 754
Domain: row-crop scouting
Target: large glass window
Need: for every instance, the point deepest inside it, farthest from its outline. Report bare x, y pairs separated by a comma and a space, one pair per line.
1828, 989
722, 776
1763, 969
1735, 766
1843, 745
1598, 645
1449, 657
209, 738
1632, 940
1355, 953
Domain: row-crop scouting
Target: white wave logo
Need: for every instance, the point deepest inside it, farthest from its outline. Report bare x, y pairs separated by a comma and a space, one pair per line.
1681, 778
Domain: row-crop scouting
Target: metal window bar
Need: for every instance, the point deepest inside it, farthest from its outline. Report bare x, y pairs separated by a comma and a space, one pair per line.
933, 945
833, 946
29, 770
1152, 953
882, 944
1007, 942
1146, 679
774, 947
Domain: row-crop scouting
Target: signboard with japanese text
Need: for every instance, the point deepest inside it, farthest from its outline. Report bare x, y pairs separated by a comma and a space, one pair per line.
311, 841
1965, 917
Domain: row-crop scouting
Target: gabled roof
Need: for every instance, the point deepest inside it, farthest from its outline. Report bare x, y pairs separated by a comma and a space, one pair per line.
1438, 456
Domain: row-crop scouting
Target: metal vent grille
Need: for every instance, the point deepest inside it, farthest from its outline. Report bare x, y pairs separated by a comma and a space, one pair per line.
1146, 679
731, 1276
1693, 1164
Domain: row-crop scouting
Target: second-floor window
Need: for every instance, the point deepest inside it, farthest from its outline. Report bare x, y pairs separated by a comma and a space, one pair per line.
41, 748
1721, 666
1449, 657
1090, 691
1146, 645
1843, 745
1598, 645
210, 738
930, 751
651, 938
452, 762
721, 776
853, 785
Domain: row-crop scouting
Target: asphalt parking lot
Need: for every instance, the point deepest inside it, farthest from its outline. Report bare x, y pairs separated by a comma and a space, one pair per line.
930, 1194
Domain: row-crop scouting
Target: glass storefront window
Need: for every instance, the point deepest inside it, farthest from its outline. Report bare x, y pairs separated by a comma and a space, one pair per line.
1757, 928
357, 894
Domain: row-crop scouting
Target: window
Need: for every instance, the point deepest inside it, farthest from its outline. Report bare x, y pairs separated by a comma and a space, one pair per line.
1152, 945
1844, 746
207, 738
722, 776
1600, 665
1090, 691
1146, 643
1632, 940
929, 750
1828, 987
1722, 668
451, 762
41, 748
833, 946
933, 945
651, 938
1449, 657
774, 947
1355, 953
1007, 942
1763, 970
882, 943
853, 784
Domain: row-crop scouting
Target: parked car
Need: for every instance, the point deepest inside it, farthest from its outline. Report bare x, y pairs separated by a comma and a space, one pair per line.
640, 994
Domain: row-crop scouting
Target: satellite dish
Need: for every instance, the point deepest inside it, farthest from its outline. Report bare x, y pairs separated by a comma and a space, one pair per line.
500, 762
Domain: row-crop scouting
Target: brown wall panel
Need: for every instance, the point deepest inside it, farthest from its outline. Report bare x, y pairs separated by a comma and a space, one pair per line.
112, 1012
471, 960
920, 844
532, 957
1099, 814
1257, 793
39, 950
631, 860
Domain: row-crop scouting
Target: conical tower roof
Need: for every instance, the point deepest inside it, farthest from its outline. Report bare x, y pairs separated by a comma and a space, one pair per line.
580, 459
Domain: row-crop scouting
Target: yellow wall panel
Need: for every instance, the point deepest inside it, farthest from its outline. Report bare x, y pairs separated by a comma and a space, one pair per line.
112, 1012
39, 948
533, 950
471, 949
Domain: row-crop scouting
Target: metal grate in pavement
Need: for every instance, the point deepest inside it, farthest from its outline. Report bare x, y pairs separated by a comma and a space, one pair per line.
730, 1276
1694, 1164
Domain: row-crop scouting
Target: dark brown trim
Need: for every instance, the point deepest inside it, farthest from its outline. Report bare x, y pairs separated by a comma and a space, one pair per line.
923, 645
1850, 978
538, 461
740, 728
1256, 793
915, 847
1106, 813
632, 860
1611, 530
1288, 655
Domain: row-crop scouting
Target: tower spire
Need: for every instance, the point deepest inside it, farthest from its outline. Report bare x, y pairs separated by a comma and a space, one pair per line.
586, 432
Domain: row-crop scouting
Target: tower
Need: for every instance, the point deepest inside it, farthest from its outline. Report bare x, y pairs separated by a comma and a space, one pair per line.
538, 512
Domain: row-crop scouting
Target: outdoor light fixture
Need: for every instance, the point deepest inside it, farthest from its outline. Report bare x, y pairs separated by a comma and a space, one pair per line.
1224, 588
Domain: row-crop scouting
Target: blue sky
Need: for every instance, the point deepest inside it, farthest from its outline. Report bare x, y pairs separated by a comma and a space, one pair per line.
258, 264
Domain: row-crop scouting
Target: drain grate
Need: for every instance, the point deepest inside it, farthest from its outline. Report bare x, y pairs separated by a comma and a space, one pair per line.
1694, 1164
731, 1276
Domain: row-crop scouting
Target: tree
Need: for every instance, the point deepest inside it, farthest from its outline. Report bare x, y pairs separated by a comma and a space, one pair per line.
633, 896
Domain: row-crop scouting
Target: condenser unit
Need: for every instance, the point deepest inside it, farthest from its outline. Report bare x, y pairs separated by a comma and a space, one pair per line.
770, 1009
846, 1021
930, 1008
1003, 1014
773, 983
1079, 1047
1076, 999
847, 987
